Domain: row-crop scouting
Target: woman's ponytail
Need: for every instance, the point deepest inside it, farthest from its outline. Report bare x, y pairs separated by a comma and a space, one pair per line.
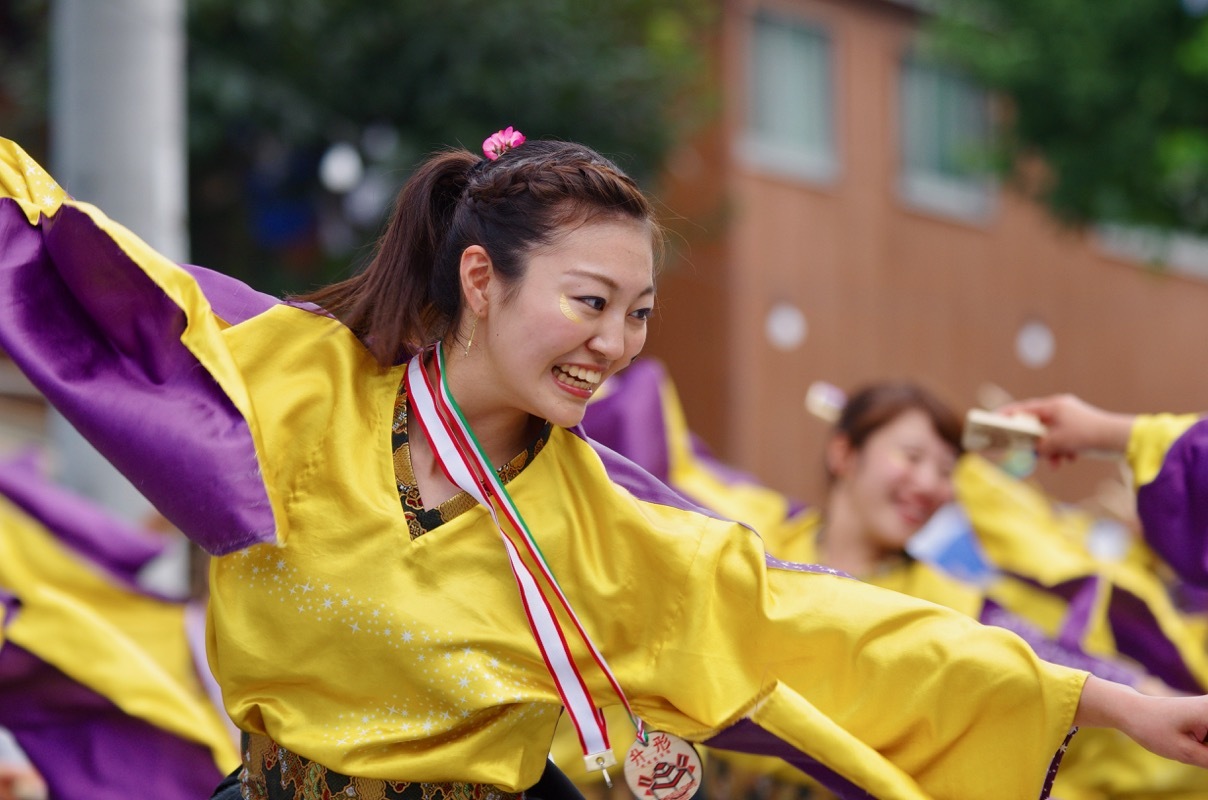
510, 205
398, 303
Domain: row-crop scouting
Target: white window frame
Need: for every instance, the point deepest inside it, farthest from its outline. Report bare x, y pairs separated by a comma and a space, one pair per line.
813, 161
973, 197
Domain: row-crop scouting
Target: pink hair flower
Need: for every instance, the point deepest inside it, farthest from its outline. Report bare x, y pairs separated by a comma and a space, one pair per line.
502, 141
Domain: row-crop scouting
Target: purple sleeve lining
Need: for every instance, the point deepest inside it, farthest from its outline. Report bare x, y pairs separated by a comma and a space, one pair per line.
629, 419
637, 481
647, 488
99, 338
231, 299
1047, 790
1139, 636
1174, 506
1135, 629
11, 606
745, 736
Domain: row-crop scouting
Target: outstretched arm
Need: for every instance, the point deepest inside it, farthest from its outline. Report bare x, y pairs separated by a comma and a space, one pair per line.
1075, 426
1173, 727
132, 350
1167, 454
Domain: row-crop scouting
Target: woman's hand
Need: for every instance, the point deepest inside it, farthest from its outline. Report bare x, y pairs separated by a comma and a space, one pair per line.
1074, 426
1173, 727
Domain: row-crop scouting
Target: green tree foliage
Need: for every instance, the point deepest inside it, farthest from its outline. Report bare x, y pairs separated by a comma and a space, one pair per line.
274, 84
23, 70
1110, 94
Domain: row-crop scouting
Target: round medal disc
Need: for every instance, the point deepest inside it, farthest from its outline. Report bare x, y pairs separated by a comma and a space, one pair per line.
666, 768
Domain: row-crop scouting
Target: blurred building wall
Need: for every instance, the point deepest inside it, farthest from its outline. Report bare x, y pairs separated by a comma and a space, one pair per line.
823, 240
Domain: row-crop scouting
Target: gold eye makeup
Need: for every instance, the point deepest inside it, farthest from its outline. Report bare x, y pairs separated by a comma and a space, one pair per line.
567, 311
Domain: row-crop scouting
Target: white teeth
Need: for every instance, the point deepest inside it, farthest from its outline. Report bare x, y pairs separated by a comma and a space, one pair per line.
589, 375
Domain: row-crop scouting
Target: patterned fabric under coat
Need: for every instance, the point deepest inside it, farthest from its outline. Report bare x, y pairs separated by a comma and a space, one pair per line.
273, 773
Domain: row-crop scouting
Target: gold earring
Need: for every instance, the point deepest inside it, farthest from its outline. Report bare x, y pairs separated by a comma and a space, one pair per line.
470, 341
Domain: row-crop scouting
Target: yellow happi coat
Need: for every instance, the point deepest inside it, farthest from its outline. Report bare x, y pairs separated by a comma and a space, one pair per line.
1100, 764
385, 657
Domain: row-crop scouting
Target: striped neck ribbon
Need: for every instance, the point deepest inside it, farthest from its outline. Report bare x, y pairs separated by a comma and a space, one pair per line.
464, 462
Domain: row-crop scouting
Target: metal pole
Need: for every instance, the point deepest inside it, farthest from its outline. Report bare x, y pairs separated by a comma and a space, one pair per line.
117, 94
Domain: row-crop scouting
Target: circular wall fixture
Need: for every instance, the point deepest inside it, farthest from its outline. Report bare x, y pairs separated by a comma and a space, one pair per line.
785, 326
1035, 344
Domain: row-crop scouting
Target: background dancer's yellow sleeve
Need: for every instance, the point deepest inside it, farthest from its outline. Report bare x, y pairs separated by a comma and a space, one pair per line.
130, 647
1152, 435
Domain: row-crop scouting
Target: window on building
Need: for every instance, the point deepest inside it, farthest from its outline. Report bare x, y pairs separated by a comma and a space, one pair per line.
1161, 250
790, 114
946, 137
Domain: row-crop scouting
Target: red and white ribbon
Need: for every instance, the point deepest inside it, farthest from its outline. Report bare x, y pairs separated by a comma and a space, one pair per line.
465, 464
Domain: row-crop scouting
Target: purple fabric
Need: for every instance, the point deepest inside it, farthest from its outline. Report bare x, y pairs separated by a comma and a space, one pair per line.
102, 342
1174, 506
86, 748
115, 546
636, 480
11, 606
1190, 599
746, 737
1055, 652
1134, 628
1047, 790
1079, 609
629, 419
232, 300
794, 566
1139, 637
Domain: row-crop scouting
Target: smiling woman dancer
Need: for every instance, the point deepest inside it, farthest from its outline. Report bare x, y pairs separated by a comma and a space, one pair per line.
405, 517
892, 461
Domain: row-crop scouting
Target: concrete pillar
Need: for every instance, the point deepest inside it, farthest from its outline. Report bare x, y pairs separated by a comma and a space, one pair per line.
117, 104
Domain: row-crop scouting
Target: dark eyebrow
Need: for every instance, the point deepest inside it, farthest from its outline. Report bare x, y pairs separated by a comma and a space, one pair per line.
607, 281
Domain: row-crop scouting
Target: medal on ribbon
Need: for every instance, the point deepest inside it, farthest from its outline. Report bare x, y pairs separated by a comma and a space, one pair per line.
664, 767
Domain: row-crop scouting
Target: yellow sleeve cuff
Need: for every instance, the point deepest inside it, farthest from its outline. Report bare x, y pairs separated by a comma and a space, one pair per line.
1152, 436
